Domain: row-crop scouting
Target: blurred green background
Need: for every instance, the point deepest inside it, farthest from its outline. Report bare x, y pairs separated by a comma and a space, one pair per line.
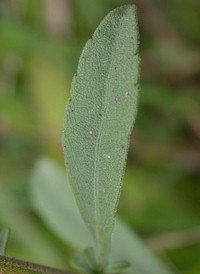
40, 42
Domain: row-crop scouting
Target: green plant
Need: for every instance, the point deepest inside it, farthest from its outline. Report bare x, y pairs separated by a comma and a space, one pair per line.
98, 122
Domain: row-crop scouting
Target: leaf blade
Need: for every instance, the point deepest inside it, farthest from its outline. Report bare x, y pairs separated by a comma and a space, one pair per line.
99, 119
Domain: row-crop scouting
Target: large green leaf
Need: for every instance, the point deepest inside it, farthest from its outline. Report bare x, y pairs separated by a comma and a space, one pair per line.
99, 119
53, 199
3, 241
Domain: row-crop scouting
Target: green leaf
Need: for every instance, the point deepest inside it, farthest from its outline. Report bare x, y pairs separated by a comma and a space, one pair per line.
3, 240
84, 261
126, 245
53, 200
78, 263
98, 122
117, 267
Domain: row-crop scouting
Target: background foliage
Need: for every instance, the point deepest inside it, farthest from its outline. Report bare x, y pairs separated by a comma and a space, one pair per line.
40, 44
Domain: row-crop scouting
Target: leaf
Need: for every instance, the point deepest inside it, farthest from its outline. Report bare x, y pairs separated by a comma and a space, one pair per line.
3, 240
126, 245
53, 200
117, 267
84, 261
98, 122
78, 263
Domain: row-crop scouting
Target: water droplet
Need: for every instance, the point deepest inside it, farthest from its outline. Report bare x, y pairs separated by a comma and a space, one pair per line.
107, 156
91, 132
127, 93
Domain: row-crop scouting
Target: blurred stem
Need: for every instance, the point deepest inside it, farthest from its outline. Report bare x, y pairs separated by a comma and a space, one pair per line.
157, 24
57, 17
176, 239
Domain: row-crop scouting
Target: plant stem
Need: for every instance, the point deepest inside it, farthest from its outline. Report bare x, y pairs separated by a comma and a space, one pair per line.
12, 264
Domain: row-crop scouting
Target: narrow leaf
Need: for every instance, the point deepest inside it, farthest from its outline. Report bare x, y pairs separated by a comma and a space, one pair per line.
99, 119
127, 246
117, 267
78, 263
3, 241
53, 200
84, 261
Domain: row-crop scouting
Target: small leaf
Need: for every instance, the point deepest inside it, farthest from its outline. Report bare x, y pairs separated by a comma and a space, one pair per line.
84, 261
90, 258
78, 263
3, 241
98, 122
117, 267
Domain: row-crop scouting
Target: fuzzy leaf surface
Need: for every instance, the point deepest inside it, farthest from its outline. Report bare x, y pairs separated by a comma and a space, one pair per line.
98, 121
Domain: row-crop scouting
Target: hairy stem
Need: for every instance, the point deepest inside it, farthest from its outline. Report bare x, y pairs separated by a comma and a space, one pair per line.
15, 265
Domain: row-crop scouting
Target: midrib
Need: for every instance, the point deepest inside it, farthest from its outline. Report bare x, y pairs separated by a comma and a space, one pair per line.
98, 236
